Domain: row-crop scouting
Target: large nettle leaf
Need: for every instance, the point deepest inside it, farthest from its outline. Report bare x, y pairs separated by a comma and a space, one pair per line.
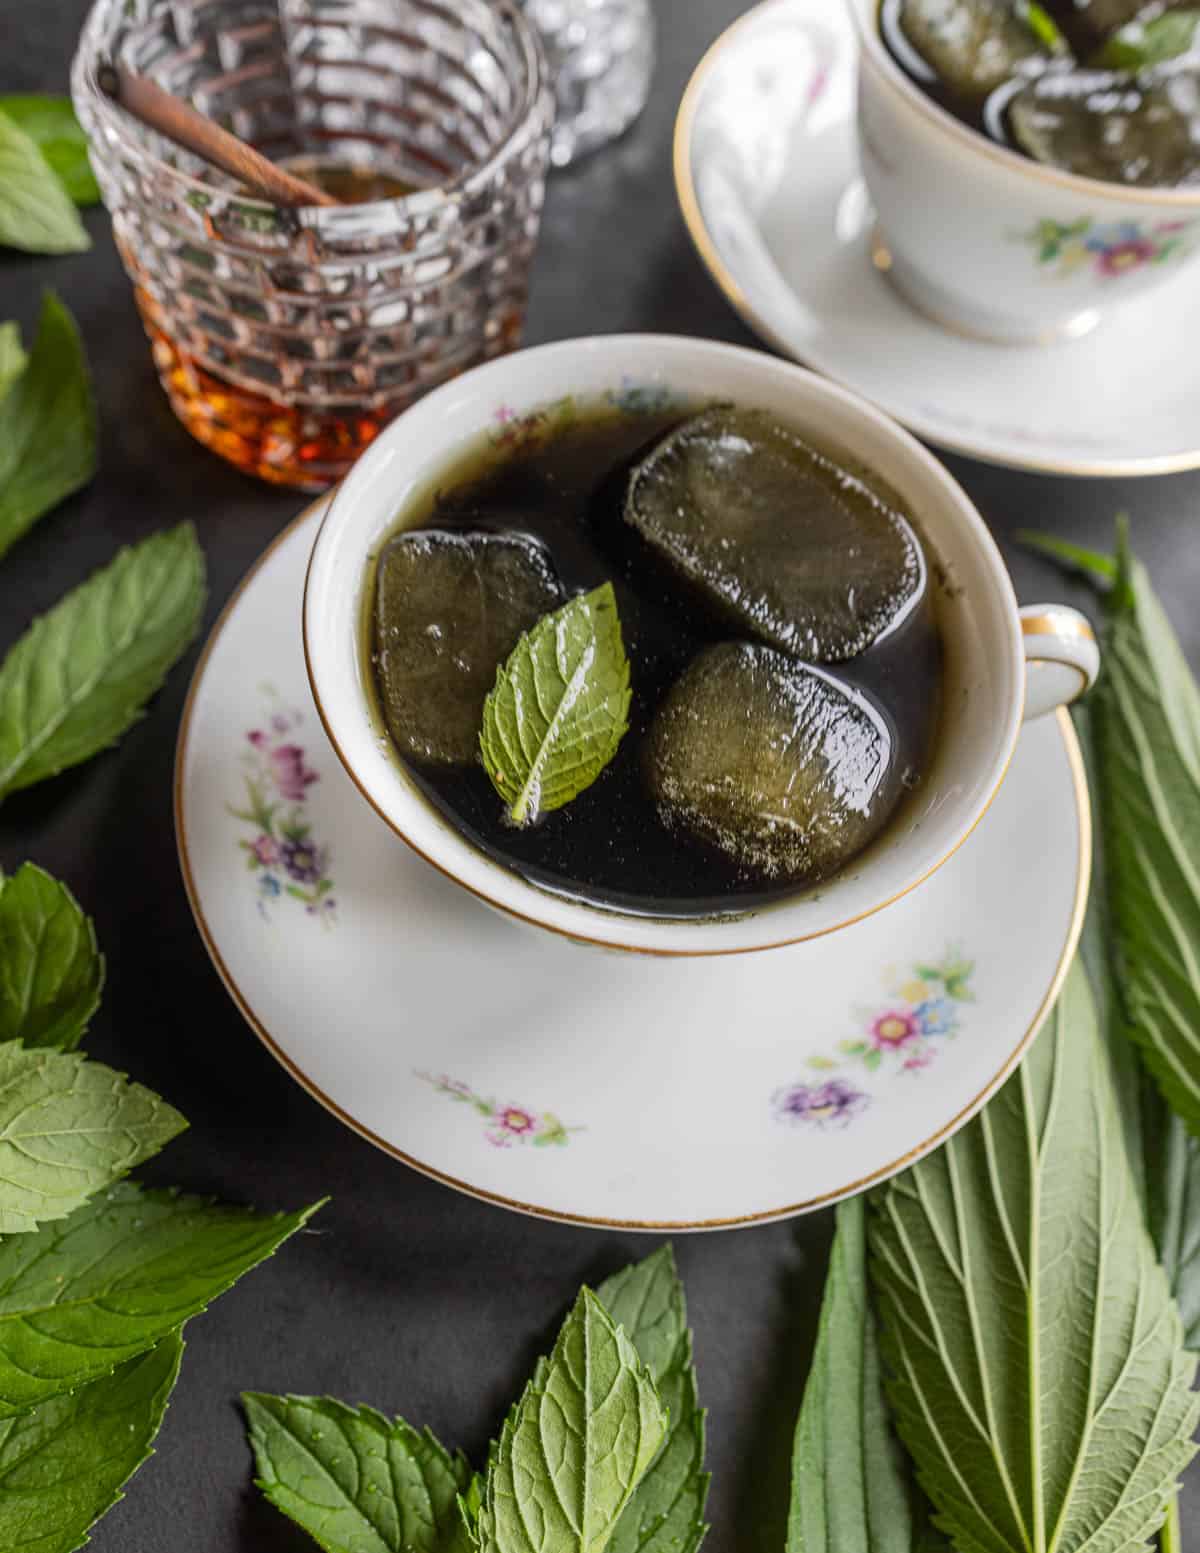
576, 1446
851, 1486
51, 970
68, 1128
36, 212
63, 1465
356, 1481
83, 1295
1037, 1362
666, 1513
80, 675
47, 423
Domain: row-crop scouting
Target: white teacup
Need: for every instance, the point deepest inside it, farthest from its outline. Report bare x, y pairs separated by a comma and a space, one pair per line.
989, 642
988, 242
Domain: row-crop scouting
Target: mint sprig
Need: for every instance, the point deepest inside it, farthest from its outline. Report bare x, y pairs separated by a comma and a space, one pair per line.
36, 212
51, 968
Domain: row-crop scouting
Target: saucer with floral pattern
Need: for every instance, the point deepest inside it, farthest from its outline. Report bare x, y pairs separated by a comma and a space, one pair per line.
581, 1084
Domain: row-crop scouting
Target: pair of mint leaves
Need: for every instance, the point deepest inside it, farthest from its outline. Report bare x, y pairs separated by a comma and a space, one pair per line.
605, 1448
44, 175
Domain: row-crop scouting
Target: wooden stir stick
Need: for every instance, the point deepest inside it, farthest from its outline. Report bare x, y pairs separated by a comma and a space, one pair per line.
180, 122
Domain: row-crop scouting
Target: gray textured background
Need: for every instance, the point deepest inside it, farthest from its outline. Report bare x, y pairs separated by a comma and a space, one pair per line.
405, 1295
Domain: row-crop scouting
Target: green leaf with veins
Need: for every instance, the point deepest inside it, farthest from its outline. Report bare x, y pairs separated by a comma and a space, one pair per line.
356, 1481
1142, 44
51, 124
68, 1128
577, 1445
47, 425
559, 707
63, 1465
36, 212
80, 675
1036, 1359
666, 1514
51, 970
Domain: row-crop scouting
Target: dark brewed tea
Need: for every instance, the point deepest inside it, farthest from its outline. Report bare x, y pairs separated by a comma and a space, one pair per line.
778, 617
1108, 89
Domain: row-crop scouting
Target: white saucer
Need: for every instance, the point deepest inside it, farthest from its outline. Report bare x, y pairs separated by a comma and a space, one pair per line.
585, 1085
766, 168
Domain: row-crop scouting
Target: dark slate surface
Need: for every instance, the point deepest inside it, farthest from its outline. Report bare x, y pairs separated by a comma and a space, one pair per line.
404, 1295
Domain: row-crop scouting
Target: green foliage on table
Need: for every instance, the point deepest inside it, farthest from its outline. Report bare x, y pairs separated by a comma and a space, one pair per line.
51, 968
37, 213
51, 124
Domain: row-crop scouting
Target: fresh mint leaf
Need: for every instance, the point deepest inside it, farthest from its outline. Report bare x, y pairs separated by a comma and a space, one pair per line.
356, 1481
1037, 1365
63, 1465
51, 971
81, 1296
36, 212
13, 359
47, 426
851, 1486
1142, 44
51, 124
1043, 26
559, 708
576, 1446
80, 675
68, 1128
666, 1514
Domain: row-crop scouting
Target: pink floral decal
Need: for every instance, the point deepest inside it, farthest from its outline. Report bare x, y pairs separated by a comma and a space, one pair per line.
281, 853
1108, 249
903, 1036
507, 1125
524, 432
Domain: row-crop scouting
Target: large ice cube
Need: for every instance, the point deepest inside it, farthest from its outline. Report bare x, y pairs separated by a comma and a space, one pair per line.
773, 762
970, 46
775, 536
449, 608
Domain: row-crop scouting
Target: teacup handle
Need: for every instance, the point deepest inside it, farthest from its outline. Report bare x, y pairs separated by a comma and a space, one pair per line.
1062, 657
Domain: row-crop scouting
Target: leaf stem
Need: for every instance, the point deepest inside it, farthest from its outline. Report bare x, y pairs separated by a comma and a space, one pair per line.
1172, 1532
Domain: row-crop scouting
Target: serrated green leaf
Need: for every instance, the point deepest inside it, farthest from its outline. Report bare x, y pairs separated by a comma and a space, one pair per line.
1141, 44
559, 707
68, 1128
578, 1444
47, 426
851, 1486
36, 212
13, 359
51, 971
51, 124
81, 1296
1036, 1358
666, 1514
356, 1481
64, 1464
1173, 1171
80, 675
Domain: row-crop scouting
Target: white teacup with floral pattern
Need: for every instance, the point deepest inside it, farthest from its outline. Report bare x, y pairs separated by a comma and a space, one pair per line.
989, 643
991, 243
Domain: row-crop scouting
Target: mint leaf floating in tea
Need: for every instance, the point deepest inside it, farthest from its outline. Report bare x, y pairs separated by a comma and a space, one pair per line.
51, 124
782, 543
559, 708
68, 1128
1142, 44
774, 763
80, 675
47, 424
64, 1464
576, 1446
1036, 1359
51, 970
36, 212
356, 1481
450, 607
666, 1513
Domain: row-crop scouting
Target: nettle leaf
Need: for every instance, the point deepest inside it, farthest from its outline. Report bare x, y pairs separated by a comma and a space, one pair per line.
13, 359
559, 707
1173, 1170
1037, 1364
63, 1465
51, 970
356, 1481
666, 1514
47, 425
69, 1127
51, 124
81, 1296
80, 675
36, 212
576, 1446
851, 1486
